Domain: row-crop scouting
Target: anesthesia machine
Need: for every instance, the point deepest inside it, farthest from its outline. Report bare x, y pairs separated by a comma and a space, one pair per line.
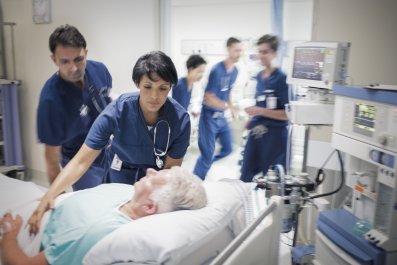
364, 231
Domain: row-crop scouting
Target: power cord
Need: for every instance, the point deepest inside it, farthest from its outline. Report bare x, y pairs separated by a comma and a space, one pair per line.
341, 182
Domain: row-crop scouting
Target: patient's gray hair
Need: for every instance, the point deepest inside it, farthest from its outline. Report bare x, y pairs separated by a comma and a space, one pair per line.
183, 191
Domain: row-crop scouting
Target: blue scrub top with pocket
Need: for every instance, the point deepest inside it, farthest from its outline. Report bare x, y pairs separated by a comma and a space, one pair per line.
267, 140
220, 83
66, 113
181, 93
133, 141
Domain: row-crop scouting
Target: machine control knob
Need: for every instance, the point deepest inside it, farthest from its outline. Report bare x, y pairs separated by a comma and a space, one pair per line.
382, 139
374, 155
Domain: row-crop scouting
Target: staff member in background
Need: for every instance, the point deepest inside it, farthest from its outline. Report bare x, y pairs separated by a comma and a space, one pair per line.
149, 130
182, 92
267, 140
217, 98
69, 103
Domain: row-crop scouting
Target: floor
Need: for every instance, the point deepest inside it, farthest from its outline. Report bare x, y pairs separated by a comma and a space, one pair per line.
225, 168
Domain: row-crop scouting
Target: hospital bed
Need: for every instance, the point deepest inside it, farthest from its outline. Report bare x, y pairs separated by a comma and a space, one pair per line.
237, 227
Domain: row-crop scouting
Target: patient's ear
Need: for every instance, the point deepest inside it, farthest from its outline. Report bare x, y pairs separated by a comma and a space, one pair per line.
149, 207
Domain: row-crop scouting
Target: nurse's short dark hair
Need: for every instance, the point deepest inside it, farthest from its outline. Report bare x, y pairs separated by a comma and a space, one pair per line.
155, 64
195, 61
232, 40
66, 35
272, 40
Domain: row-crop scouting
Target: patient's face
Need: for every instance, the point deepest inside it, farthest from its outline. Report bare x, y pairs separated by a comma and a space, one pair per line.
152, 181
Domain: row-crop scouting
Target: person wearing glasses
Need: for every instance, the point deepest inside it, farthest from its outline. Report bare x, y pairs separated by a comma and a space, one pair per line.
146, 129
70, 101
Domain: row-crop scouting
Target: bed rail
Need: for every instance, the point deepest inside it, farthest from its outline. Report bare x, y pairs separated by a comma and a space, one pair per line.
258, 243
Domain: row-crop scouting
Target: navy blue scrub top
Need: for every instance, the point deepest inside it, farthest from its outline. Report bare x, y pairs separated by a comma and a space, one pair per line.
181, 93
276, 82
220, 83
66, 113
132, 140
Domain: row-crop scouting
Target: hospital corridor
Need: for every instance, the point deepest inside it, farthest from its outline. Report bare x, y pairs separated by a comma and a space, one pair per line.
198, 132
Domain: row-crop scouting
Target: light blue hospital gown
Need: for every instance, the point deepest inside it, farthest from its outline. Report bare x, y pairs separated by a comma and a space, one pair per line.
82, 220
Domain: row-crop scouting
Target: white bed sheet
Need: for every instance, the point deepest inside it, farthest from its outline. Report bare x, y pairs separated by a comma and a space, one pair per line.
22, 198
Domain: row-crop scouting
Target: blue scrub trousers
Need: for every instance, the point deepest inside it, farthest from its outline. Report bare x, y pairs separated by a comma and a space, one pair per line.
211, 129
92, 177
262, 152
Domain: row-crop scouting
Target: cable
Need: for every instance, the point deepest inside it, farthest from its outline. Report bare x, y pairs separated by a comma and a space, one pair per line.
289, 143
296, 226
320, 173
340, 185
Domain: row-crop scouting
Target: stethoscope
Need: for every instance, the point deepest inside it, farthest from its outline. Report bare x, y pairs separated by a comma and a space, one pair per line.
98, 98
158, 154
99, 104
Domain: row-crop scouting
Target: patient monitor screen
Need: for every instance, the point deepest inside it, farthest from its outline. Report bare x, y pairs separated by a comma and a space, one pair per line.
309, 63
364, 119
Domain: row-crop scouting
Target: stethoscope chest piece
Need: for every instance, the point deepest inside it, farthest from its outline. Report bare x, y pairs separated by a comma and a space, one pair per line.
159, 162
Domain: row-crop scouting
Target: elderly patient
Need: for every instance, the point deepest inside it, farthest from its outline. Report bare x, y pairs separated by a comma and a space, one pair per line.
81, 220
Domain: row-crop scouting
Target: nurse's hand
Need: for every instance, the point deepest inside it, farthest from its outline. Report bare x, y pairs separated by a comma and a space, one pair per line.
45, 204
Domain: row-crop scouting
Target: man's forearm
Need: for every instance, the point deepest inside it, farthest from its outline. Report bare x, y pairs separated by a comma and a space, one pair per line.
12, 254
278, 114
53, 170
52, 158
213, 101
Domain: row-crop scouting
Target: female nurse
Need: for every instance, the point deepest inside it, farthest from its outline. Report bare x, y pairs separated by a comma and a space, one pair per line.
139, 131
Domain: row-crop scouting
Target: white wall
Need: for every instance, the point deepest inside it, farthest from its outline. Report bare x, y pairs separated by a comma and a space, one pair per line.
370, 26
215, 20
117, 33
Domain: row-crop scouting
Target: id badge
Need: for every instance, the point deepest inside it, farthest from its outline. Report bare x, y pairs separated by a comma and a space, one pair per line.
116, 163
261, 98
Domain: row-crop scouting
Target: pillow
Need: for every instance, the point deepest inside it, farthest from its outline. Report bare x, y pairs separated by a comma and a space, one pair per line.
167, 238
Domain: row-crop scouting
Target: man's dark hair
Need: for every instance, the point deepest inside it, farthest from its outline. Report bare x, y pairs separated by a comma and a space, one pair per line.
272, 40
66, 35
232, 40
154, 64
195, 61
